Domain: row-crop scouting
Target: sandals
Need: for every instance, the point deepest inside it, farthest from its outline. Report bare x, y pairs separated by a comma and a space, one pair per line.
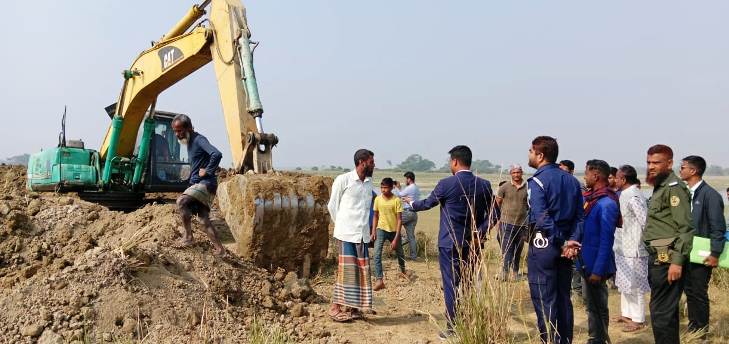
621, 319
357, 314
633, 327
222, 254
347, 316
182, 244
341, 316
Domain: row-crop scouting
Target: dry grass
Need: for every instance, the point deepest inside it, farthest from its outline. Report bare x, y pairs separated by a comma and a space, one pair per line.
720, 279
484, 310
267, 333
426, 247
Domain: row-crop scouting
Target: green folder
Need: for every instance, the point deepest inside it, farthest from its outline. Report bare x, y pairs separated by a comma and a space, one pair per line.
702, 249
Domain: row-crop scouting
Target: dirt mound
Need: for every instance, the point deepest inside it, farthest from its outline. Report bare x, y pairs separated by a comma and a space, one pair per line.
12, 179
72, 270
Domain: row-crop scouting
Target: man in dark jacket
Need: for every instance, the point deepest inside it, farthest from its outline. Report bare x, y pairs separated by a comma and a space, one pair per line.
465, 204
707, 212
197, 199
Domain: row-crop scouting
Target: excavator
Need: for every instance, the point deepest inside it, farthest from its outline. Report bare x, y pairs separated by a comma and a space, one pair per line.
130, 163
277, 219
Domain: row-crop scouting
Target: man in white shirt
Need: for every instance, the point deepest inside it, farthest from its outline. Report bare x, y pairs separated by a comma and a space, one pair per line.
631, 257
410, 217
349, 207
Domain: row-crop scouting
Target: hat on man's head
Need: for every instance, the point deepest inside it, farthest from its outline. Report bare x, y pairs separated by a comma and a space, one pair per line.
515, 167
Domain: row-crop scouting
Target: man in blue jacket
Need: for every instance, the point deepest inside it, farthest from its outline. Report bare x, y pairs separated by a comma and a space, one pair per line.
597, 262
198, 198
555, 216
465, 204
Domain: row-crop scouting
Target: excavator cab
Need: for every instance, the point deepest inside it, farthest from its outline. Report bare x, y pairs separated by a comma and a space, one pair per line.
169, 166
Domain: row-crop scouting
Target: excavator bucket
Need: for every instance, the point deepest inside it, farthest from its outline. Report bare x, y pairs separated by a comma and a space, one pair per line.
278, 219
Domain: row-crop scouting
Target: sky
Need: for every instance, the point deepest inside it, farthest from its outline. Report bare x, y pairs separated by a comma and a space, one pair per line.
607, 79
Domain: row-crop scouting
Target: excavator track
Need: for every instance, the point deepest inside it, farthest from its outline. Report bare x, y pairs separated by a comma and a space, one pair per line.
122, 201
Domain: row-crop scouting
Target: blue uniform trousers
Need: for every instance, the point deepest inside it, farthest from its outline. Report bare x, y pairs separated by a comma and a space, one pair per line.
550, 278
451, 262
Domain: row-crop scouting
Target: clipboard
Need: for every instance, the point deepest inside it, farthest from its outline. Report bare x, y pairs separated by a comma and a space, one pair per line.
702, 249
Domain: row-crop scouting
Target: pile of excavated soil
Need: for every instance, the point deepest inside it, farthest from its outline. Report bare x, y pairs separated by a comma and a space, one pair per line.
75, 271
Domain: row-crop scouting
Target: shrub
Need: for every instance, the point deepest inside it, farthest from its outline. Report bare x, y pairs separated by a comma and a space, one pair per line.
261, 333
483, 312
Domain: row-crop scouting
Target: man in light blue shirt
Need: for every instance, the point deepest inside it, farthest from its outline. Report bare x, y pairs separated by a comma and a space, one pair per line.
409, 217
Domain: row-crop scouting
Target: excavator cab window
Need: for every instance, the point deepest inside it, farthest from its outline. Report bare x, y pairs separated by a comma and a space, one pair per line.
168, 161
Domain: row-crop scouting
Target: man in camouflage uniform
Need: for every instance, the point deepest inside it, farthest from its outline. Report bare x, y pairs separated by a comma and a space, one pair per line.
668, 238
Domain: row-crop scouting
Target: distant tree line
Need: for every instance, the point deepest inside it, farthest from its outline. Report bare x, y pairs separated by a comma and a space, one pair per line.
417, 163
16, 160
716, 170
328, 168
711, 170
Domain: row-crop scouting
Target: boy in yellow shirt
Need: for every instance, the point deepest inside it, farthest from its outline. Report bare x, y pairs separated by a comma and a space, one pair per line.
386, 225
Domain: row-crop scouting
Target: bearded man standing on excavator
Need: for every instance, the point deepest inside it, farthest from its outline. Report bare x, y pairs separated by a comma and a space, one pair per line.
198, 198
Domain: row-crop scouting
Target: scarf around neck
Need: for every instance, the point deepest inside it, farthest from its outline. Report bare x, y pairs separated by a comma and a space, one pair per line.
592, 196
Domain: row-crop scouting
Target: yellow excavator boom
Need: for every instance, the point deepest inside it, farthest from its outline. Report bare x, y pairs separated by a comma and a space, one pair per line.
180, 53
277, 219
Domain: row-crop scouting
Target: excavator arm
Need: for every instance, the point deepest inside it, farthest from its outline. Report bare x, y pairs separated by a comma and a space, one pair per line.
238, 88
180, 53
276, 219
